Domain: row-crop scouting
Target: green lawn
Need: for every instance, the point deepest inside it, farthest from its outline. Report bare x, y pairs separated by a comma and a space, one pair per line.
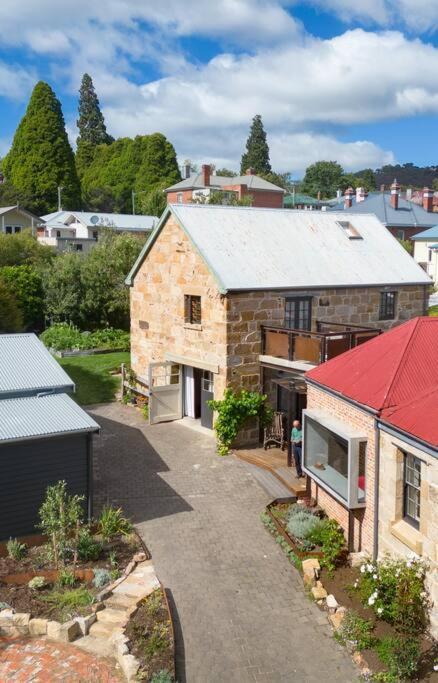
91, 374
433, 310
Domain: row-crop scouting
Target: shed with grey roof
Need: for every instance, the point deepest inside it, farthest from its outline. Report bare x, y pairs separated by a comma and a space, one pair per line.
44, 435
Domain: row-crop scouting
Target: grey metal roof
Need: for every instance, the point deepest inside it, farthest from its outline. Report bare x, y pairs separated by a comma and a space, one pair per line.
408, 214
27, 367
95, 219
16, 207
251, 248
217, 182
431, 234
39, 416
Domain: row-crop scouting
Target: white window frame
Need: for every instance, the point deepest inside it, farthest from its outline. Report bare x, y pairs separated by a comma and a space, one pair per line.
354, 439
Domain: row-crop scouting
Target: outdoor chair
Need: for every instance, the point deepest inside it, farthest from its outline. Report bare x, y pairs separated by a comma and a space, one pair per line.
274, 434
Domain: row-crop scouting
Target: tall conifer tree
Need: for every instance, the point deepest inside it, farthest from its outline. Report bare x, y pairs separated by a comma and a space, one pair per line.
91, 125
257, 150
41, 158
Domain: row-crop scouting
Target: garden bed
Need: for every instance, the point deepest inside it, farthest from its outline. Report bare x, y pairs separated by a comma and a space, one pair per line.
151, 637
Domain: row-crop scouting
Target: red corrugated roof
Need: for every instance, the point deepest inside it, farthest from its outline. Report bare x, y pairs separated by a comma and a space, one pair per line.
418, 417
389, 372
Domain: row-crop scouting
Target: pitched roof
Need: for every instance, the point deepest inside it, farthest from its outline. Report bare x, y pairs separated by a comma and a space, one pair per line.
250, 248
299, 198
217, 182
16, 207
389, 370
431, 234
417, 416
93, 219
39, 416
407, 215
27, 367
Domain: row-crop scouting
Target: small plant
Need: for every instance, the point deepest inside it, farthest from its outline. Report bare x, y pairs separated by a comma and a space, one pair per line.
37, 583
145, 411
66, 578
115, 571
102, 577
329, 536
89, 550
356, 630
61, 517
157, 641
153, 603
4, 605
400, 655
112, 523
69, 601
16, 550
162, 676
301, 522
234, 410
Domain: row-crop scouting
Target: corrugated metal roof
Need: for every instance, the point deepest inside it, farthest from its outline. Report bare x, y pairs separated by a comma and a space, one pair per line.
251, 248
5, 209
26, 366
38, 416
408, 214
94, 219
431, 234
196, 182
417, 417
388, 370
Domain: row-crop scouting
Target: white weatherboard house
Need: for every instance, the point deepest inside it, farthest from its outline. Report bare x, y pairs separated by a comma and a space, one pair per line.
79, 230
14, 219
426, 251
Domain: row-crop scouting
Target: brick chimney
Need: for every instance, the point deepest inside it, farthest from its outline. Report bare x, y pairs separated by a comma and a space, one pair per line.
382, 188
348, 198
318, 196
428, 200
360, 194
206, 173
250, 171
395, 189
187, 169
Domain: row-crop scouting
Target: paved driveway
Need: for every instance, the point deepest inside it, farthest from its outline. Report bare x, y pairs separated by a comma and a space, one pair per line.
240, 608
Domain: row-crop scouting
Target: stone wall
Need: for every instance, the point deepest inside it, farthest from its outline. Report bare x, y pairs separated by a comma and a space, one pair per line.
397, 536
362, 521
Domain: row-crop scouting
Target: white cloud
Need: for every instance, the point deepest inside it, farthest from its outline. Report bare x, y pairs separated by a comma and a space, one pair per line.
15, 82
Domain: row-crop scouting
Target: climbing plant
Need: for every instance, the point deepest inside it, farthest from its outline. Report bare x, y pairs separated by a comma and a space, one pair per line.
234, 410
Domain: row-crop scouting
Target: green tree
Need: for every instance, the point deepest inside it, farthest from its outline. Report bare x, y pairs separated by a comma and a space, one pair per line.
257, 150
367, 179
100, 199
154, 202
41, 158
91, 125
226, 172
63, 290
158, 163
26, 282
323, 176
11, 319
23, 249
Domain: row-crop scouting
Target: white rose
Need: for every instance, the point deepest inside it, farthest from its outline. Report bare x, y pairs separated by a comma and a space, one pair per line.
371, 600
375, 577
379, 610
362, 569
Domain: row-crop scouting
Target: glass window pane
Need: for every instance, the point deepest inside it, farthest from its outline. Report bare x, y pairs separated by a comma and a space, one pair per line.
326, 456
361, 478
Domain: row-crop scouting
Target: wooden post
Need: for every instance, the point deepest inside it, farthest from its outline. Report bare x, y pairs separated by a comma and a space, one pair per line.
123, 371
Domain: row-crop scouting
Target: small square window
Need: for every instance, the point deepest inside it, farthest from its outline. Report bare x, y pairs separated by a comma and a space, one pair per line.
95, 234
400, 234
78, 247
349, 229
192, 309
412, 487
179, 198
8, 229
387, 305
17, 228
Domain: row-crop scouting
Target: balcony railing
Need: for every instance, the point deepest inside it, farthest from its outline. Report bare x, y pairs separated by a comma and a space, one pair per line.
330, 340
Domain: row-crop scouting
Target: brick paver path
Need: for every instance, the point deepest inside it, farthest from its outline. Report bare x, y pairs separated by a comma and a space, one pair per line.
242, 614
42, 661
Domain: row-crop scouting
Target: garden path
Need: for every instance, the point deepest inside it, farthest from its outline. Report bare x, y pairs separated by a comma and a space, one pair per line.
240, 610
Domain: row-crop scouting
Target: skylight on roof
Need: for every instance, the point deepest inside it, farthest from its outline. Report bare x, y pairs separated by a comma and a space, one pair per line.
349, 230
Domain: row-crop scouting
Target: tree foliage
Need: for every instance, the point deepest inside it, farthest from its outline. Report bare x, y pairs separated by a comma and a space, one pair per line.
26, 283
91, 125
63, 290
323, 176
226, 173
256, 155
41, 158
11, 319
23, 249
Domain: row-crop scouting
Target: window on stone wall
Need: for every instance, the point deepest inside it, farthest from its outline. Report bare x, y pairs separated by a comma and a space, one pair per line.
298, 313
387, 305
411, 492
192, 309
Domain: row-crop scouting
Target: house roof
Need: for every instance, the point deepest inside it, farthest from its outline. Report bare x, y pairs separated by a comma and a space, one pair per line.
250, 248
394, 374
39, 416
217, 182
16, 207
27, 367
427, 235
299, 198
93, 219
408, 214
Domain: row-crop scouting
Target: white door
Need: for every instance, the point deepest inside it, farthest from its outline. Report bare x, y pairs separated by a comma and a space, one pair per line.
189, 391
165, 392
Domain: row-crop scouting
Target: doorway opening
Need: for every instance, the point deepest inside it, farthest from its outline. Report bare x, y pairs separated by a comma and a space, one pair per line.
198, 387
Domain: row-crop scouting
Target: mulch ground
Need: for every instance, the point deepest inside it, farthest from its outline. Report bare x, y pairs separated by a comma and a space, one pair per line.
41, 661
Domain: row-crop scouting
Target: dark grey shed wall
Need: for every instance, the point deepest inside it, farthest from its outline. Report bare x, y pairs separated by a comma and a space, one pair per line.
28, 467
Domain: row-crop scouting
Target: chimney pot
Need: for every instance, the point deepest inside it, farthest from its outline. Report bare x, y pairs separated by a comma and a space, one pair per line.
250, 171
395, 189
428, 200
206, 173
319, 195
348, 201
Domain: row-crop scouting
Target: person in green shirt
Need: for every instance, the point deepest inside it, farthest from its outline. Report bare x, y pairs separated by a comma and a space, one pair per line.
297, 443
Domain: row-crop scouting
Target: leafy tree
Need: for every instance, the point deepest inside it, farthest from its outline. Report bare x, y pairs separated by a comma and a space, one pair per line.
23, 249
154, 202
63, 290
91, 125
323, 176
257, 150
226, 172
26, 282
41, 158
280, 179
158, 163
11, 319
11, 196
367, 179
227, 199
100, 199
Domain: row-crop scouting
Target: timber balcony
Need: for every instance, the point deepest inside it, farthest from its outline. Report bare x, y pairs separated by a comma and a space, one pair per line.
329, 340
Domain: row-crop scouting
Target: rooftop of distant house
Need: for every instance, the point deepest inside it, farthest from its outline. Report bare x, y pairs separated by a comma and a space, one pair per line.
98, 219
208, 179
395, 375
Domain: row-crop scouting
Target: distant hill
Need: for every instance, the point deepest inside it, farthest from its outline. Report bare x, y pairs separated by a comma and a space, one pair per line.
408, 175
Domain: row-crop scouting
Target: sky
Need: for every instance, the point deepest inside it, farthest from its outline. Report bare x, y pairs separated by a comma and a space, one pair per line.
355, 82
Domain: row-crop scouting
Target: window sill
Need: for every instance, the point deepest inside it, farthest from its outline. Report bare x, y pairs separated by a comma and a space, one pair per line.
408, 535
192, 326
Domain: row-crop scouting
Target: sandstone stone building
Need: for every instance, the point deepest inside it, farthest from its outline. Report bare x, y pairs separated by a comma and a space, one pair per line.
371, 444
250, 298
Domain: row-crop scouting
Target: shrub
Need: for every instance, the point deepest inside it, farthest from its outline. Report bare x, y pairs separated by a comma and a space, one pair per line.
66, 578
356, 630
234, 410
162, 676
301, 522
61, 516
153, 603
37, 583
66, 337
102, 577
70, 600
400, 655
157, 641
112, 523
88, 548
16, 550
329, 536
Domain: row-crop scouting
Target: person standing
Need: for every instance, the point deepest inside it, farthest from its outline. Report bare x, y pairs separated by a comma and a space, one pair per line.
297, 444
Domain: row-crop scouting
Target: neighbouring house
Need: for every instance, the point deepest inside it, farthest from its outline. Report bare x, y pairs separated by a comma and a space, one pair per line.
251, 298
198, 187
44, 435
426, 251
403, 218
298, 200
416, 196
370, 443
14, 219
79, 230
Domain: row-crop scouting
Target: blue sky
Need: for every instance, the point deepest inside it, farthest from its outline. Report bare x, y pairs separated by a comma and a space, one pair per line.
356, 82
